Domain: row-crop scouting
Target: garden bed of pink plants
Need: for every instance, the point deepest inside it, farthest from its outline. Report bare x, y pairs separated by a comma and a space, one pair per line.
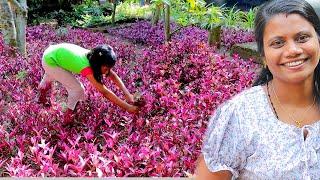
145, 33
183, 82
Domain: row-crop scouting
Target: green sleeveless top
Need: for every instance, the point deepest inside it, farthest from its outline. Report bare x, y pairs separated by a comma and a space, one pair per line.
67, 56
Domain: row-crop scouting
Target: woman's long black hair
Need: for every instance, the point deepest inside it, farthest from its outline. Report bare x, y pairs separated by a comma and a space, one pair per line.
272, 8
101, 55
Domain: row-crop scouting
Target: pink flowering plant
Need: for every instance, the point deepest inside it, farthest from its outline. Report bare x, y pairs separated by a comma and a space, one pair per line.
182, 83
146, 33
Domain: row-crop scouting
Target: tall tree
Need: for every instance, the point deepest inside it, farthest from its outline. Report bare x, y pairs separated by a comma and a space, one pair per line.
7, 25
20, 23
13, 21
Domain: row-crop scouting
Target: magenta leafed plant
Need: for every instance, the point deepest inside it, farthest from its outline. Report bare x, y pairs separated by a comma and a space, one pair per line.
232, 36
182, 82
144, 32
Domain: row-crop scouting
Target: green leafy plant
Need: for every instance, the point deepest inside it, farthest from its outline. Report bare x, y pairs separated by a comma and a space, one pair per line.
92, 8
92, 14
196, 12
247, 18
213, 17
132, 11
213, 20
232, 16
189, 12
91, 21
21, 75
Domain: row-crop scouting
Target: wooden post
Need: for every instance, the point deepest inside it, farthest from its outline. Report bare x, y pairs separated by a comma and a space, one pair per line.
167, 22
215, 36
113, 18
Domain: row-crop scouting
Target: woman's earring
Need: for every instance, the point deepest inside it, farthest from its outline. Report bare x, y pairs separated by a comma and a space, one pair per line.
264, 63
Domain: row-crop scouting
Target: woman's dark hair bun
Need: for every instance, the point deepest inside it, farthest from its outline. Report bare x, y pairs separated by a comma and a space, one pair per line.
104, 54
99, 56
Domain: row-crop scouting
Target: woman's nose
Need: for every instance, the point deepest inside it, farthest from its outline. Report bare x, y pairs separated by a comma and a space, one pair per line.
293, 49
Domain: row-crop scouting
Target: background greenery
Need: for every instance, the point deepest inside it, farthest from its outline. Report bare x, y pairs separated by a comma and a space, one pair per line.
90, 13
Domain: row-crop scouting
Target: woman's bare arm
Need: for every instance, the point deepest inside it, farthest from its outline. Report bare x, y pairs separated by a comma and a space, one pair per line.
117, 80
110, 95
203, 173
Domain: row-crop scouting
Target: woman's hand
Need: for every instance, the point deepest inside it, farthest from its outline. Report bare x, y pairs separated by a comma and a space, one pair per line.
130, 98
139, 101
133, 109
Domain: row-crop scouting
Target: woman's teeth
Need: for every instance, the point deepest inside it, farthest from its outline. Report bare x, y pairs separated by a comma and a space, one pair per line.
295, 63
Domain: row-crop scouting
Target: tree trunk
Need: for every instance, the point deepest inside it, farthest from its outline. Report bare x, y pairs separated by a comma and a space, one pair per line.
113, 18
156, 15
21, 24
167, 22
7, 25
215, 36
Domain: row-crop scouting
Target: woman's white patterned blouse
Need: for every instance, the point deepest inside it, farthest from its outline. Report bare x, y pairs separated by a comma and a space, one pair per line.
245, 137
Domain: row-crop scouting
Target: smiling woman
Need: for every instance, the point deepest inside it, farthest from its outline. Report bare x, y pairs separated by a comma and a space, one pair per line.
272, 130
291, 49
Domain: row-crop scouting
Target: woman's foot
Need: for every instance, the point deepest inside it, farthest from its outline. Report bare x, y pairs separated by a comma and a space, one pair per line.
68, 117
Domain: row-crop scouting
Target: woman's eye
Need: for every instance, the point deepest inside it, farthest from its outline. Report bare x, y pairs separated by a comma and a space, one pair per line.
303, 38
277, 44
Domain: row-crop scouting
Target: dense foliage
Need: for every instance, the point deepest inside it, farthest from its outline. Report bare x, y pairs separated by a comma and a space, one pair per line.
182, 81
89, 14
40, 11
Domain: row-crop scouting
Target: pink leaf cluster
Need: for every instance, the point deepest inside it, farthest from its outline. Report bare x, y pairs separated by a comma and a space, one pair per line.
146, 33
182, 82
